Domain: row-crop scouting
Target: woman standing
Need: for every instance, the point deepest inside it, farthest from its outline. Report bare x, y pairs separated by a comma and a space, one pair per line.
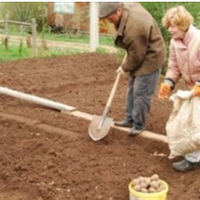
184, 62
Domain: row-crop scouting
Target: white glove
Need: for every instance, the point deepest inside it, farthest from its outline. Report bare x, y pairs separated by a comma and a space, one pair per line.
121, 71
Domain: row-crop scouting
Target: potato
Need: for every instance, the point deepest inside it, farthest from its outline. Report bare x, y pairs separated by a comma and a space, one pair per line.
144, 190
155, 177
151, 190
137, 188
161, 187
147, 181
141, 179
154, 184
148, 184
136, 181
143, 185
160, 182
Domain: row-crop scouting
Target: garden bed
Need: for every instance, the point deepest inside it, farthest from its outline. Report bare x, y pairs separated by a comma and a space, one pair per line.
48, 155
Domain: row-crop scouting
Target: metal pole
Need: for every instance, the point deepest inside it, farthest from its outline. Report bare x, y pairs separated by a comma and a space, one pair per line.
37, 100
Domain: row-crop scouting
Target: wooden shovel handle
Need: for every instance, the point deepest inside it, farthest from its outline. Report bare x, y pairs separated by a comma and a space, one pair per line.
115, 86
108, 104
113, 91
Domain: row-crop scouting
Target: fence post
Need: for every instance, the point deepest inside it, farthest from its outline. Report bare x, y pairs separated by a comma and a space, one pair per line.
6, 31
34, 32
94, 26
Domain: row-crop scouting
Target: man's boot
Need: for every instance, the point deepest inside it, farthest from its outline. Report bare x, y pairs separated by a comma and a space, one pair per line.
124, 123
135, 131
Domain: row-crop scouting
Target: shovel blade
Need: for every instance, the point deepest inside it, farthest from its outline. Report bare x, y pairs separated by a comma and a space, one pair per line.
94, 131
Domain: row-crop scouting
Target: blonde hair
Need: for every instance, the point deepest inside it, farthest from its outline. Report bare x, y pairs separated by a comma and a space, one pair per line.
178, 16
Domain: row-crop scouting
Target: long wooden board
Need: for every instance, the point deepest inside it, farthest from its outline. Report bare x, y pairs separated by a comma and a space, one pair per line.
71, 110
146, 134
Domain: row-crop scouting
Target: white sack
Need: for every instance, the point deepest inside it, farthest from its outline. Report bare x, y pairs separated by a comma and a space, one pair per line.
183, 126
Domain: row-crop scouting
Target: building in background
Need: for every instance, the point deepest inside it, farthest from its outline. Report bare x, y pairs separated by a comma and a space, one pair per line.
72, 17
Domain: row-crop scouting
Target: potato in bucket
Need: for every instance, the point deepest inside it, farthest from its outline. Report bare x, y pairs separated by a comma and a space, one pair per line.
148, 188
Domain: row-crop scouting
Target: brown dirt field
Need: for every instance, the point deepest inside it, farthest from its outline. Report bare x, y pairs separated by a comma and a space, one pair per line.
48, 155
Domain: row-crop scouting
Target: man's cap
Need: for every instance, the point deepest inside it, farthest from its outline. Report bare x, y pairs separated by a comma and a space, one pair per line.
107, 8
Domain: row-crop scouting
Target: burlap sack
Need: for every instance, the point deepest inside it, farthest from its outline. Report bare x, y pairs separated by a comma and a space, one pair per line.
183, 126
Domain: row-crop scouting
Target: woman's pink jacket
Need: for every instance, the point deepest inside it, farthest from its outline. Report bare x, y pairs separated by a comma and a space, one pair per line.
184, 58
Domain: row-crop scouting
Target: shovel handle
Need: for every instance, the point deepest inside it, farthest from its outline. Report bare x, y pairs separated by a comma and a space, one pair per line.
109, 100
108, 104
115, 86
113, 91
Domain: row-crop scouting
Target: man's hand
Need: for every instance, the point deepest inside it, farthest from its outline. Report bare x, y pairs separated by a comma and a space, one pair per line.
121, 71
164, 91
196, 90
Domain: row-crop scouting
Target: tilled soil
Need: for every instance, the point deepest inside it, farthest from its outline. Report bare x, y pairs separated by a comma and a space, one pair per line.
48, 155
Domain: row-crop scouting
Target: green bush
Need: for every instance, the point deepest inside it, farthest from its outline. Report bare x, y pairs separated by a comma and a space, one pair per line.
24, 12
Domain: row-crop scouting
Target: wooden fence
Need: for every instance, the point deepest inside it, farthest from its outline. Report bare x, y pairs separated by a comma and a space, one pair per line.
33, 24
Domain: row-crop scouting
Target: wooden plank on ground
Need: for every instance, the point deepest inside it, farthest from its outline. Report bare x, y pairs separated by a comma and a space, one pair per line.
146, 134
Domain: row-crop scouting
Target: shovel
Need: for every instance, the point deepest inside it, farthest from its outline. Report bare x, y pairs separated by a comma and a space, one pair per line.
100, 125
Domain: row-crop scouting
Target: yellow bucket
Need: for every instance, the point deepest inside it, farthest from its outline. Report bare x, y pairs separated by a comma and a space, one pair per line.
135, 195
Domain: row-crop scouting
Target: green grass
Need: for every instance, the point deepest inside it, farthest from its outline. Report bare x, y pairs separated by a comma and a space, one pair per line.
20, 51
14, 53
57, 52
77, 38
